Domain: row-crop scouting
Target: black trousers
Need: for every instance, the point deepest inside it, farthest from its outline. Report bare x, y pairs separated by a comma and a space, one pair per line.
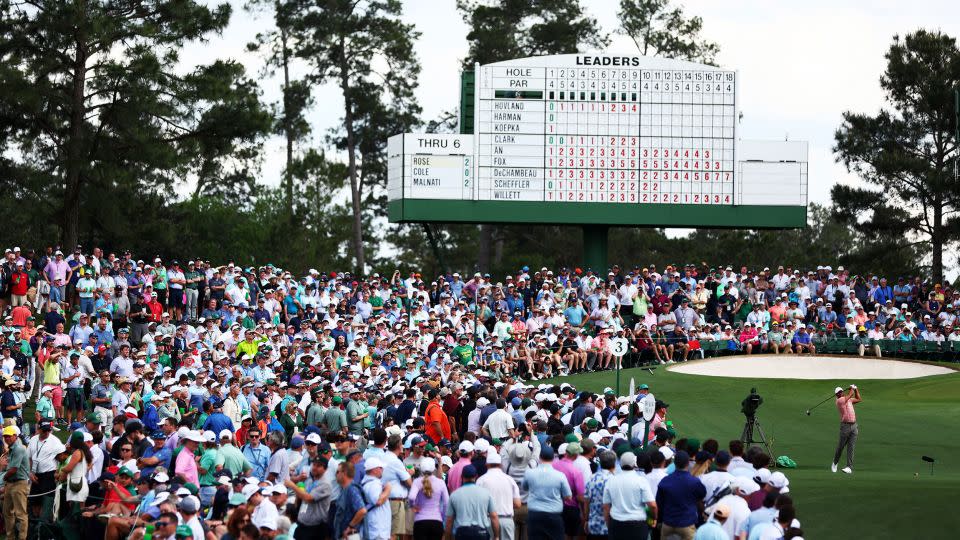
311, 532
628, 530
428, 529
544, 525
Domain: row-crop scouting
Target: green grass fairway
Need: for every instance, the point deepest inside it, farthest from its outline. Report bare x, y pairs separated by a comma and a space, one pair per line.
891, 493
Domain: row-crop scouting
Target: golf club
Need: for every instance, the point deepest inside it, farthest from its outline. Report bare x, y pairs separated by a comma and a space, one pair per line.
831, 396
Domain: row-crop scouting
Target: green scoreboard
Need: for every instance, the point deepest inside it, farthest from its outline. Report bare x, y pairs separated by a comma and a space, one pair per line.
599, 140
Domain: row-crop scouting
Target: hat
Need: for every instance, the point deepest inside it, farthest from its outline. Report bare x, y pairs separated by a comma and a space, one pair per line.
11, 431
375, 463
493, 458
574, 449
837, 390
469, 471
746, 485
779, 480
762, 476
667, 452
628, 459
721, 511
189, 505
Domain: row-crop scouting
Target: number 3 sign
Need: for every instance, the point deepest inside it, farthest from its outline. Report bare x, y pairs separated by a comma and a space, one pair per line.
618, 346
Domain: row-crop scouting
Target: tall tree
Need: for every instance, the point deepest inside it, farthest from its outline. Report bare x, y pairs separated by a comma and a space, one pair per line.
363, 48
278, 48
907, 154
507, 29
92, 100
659, 29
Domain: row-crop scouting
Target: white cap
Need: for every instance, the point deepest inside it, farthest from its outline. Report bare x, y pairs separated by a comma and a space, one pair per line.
446, 460
209, 436
746, 485
779, 481
483, 402
482, 445
249, 490
837, 389
466, 446
762, 476
314, 438
667, 452
161, 477
226, 434
427, 466
493, 458
373, 463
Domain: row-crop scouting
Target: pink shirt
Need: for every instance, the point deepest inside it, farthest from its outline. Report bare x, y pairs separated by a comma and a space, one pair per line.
455, 474
187, 466
574, 478
845, 406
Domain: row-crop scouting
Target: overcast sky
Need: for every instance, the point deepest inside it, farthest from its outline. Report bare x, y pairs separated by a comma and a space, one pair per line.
801, 64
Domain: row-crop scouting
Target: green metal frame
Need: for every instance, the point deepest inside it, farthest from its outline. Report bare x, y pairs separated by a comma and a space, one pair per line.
613, 214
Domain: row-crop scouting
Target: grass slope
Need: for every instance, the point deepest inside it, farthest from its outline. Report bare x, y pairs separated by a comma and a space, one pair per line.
891, 493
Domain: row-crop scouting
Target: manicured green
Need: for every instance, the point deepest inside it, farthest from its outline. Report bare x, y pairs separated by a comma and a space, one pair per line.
891, 493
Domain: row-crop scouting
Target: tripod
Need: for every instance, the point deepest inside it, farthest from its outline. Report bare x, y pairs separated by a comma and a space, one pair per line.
747, 436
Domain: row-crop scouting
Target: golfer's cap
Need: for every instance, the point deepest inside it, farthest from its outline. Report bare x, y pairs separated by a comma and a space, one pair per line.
493, 458
721, 511
667, 452
837, 390
465, 446
446, 460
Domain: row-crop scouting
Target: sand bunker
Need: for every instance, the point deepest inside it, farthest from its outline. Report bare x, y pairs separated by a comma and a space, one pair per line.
807, 367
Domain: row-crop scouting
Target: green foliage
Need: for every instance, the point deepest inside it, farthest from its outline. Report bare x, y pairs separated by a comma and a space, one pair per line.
907, 155
506, 29
366, 50
92, 109
658, 29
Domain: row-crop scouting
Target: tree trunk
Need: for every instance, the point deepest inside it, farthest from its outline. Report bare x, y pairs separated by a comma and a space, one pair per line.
486, 241
936, 241
73, 174
352, 160
287, 123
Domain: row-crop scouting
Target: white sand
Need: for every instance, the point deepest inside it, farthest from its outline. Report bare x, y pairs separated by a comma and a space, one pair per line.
807, 367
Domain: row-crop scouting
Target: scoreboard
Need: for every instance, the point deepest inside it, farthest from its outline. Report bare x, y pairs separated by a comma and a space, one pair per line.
601, 139
606, 129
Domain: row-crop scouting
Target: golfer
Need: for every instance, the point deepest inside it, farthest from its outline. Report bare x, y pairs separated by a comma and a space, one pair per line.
848, 426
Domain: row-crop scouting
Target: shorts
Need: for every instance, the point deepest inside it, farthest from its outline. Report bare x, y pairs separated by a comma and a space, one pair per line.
57, 396
572, 525
176, 298
161, 296
399, 508
74, 399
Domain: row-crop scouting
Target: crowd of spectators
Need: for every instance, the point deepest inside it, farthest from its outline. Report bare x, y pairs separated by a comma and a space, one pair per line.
229, 402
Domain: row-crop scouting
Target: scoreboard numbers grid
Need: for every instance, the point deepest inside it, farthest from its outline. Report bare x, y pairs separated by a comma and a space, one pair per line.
620, 135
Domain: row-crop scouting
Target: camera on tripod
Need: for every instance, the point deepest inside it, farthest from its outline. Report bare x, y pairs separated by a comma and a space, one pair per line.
751, 403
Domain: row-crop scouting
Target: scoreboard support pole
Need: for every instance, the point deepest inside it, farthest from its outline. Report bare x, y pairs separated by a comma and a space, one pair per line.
595, 239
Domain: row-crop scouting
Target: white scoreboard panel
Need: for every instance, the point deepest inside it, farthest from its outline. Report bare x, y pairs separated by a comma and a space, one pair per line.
606, 129
425, 166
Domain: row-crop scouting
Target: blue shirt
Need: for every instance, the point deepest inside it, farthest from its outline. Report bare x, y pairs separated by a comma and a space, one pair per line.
218, 422
470, 505
711, 530
377, 521
596, 525
259, 458
348, 504
164, 455
760, 516
677, 498
546, 488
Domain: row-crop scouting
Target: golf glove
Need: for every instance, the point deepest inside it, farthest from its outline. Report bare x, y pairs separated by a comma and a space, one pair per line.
853, 386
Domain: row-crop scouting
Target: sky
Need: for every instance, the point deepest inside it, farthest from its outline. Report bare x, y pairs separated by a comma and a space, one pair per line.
801, 64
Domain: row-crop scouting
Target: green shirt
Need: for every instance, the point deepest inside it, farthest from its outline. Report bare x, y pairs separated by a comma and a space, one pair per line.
354, 409
231, 458
314, 414
464, 352
208, 461
45, 408
160, 279
188, 275
335, 419
17, 458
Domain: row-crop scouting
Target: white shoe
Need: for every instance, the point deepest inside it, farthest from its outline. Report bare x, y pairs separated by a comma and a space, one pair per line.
847, 470
833, 467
